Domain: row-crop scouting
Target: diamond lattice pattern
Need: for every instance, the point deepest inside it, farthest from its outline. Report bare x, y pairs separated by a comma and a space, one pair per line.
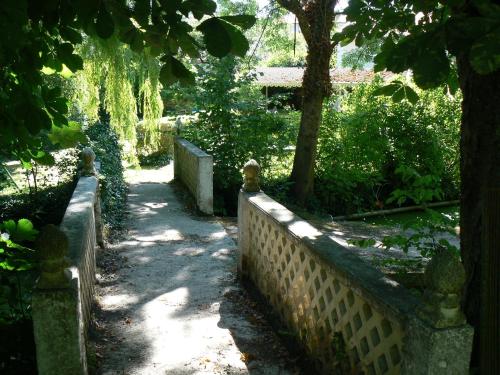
318, 304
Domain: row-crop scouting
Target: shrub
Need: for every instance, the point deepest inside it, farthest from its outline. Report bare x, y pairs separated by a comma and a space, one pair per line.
235, 126
104, 142
361, 147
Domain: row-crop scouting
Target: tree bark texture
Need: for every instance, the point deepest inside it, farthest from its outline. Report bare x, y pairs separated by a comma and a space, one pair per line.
479, 216
316, 21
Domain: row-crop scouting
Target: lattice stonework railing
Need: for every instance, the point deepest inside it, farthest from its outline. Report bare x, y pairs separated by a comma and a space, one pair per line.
317, 302
349, 316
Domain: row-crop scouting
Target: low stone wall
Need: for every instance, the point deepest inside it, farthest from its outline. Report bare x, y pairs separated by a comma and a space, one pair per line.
349, 316
63, 295
194, 168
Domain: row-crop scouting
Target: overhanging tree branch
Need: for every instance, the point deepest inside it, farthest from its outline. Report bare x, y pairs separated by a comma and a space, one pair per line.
295, 7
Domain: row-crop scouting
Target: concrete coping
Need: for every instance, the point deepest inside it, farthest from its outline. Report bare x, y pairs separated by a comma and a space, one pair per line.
78, 215
198, 152
384, 293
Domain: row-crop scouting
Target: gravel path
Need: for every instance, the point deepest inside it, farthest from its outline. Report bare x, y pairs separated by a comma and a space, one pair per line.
169, 302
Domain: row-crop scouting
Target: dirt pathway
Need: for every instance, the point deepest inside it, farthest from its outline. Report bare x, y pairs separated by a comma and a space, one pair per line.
168, 298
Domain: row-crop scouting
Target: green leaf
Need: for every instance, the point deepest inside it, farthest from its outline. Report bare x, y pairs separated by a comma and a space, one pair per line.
398, 91
39, 119
7, 265
410, 94
66, 55
244, 21
22, 231
86, 10
239, 44
67, 136
398, 57
26, 164
485, 53
216, 37
432, 68
346, 36
104, 25
188, 45
171, 6
70, 34
363, 243
174, 71
222, 38
45, 159
9, 226
25, 231
142, 10
133, 38
462, 32
359, 40
199, 8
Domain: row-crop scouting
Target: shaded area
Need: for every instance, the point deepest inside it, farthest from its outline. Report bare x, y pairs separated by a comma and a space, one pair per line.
17, 356
167, 295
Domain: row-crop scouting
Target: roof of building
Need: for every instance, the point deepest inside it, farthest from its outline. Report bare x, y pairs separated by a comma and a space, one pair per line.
292, 77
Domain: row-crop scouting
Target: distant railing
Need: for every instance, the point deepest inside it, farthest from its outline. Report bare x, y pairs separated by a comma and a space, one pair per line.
194, 168
63, 295
349, 316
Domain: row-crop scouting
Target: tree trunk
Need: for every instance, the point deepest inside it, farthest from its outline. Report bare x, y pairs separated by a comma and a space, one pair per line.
305, 152
480, 187
318, 14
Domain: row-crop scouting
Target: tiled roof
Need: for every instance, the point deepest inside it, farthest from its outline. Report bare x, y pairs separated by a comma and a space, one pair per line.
292, 77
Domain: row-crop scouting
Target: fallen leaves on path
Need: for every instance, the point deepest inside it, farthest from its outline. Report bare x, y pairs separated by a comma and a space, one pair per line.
247, 357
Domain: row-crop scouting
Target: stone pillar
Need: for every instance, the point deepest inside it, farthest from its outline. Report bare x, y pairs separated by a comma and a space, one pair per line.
56, 309
438, 340
251, 180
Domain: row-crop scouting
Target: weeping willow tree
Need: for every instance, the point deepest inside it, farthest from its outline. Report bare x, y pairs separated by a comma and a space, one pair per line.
120, 82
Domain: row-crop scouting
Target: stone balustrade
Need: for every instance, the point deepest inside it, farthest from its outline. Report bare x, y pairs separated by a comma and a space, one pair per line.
348, 315
194, 168
63, 295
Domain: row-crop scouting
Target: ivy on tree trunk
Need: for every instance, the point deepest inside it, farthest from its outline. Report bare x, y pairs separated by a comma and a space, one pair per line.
315, 19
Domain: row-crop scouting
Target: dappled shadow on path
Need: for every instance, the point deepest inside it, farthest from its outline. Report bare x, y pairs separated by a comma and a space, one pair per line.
165, 306
262, 349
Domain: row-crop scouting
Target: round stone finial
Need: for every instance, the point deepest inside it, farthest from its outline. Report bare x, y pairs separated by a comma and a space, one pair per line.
251, 181
87, 158
444, 280
53, 247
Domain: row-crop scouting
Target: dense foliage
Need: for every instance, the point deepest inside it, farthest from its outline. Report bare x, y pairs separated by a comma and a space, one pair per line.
17, 260
113, 189
234, 125
422, 36
43, 38
362, 146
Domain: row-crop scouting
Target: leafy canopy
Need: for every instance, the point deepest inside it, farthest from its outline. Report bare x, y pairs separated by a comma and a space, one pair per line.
42, 35
424, 36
